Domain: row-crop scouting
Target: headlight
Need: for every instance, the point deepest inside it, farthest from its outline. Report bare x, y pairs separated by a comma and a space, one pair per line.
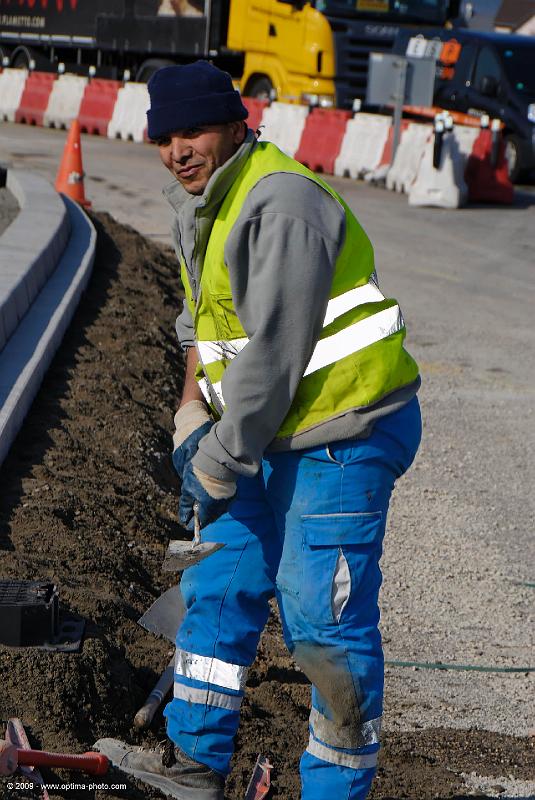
322, 100
531, 112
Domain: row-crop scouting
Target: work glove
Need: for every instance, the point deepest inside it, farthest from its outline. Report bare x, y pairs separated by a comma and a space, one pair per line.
213, 497
192, 422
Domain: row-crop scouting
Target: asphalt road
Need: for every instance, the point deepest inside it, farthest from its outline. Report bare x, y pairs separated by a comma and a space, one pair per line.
459, 558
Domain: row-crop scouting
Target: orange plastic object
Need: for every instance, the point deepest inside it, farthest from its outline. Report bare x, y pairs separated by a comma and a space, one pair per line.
430, 112
92, 763
450, 52
70, 179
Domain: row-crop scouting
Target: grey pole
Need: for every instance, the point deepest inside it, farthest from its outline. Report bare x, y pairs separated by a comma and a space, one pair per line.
399, 98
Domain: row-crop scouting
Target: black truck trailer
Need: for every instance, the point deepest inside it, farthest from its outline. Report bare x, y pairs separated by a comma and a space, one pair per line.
111, 36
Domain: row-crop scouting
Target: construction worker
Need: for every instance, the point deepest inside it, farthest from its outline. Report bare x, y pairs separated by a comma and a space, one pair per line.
298, 414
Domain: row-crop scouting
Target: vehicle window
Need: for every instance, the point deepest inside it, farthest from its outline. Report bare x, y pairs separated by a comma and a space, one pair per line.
487, 66
519, 65
430, 11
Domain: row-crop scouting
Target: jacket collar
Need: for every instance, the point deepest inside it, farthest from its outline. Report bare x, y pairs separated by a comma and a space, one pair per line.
219, 183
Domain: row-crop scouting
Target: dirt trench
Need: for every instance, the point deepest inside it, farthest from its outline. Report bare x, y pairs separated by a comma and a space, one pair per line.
88, 500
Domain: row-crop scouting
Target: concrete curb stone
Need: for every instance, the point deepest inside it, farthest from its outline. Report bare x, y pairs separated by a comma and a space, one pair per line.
54, 277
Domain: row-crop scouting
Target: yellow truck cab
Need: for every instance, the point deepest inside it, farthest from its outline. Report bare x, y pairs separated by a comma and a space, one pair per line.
288, 49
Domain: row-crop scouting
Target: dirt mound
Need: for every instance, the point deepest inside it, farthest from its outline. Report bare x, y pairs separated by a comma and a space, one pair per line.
88, 501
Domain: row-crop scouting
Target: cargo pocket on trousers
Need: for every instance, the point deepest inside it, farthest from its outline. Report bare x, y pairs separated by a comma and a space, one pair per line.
337, 550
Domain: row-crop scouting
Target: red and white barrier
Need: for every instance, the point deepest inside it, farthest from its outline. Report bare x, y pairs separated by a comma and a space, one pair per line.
443, 186
96, 109
465, 136
408, 156
256, 109
283, 125
363, 145
322, 139
487, 173
64, 101
326, 140
35, 97
129, 119
12, 82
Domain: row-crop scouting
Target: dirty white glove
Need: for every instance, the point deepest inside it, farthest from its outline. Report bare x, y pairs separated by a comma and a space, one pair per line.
192, 422
187, 419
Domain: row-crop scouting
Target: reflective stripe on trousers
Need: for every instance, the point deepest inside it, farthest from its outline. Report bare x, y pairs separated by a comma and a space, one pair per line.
309, 528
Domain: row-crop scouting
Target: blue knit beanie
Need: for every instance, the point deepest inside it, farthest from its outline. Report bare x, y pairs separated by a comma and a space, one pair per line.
191, 95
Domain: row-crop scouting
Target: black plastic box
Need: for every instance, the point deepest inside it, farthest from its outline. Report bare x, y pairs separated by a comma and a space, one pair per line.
29, 613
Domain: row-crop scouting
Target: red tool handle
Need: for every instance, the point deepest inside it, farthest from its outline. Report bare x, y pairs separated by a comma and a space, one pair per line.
92, 763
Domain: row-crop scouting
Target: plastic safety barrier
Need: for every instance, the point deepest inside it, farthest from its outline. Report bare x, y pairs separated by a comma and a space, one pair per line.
322, 138
96, 108
129, 118
465, 135
444, 186
408, 156
64, 101
12, 82
488, 182
34, 100
363, 145
378, 175
256, 109
98, 103
283, 125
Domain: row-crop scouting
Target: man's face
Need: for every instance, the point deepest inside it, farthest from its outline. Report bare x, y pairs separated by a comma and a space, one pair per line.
192, 155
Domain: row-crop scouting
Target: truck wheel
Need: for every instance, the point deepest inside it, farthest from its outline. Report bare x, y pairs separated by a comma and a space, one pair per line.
21, 58
260, 87
512, 154
149, 67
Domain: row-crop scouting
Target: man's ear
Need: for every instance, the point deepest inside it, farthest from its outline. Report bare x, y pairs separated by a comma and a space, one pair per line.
239, 131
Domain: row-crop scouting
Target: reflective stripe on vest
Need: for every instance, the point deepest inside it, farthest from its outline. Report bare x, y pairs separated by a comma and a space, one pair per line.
328, 350
369, 293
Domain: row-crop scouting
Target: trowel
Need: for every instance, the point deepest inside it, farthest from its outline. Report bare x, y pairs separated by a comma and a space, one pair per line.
163, 619
181, 555
164, 616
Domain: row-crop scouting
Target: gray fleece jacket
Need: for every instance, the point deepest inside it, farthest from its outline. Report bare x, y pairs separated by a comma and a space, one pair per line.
281, 255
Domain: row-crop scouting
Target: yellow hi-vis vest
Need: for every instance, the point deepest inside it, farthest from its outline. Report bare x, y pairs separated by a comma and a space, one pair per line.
359, 357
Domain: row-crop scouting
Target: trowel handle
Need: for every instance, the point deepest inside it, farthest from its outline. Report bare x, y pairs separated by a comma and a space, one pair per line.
92, 763
146, 713
196, 524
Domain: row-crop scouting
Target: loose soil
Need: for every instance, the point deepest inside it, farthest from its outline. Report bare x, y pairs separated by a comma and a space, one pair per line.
88, 501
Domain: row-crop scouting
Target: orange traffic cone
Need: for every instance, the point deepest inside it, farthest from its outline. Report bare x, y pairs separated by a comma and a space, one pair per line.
70, 178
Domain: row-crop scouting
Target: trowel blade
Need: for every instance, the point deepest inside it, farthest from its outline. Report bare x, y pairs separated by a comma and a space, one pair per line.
165, 614
181, 555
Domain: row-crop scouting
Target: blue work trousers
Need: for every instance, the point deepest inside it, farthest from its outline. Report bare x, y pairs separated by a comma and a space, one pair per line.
309, 529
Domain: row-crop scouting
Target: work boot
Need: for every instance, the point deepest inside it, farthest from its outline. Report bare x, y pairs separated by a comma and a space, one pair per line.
168, 768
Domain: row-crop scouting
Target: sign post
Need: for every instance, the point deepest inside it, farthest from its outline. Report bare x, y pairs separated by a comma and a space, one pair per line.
400, 80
